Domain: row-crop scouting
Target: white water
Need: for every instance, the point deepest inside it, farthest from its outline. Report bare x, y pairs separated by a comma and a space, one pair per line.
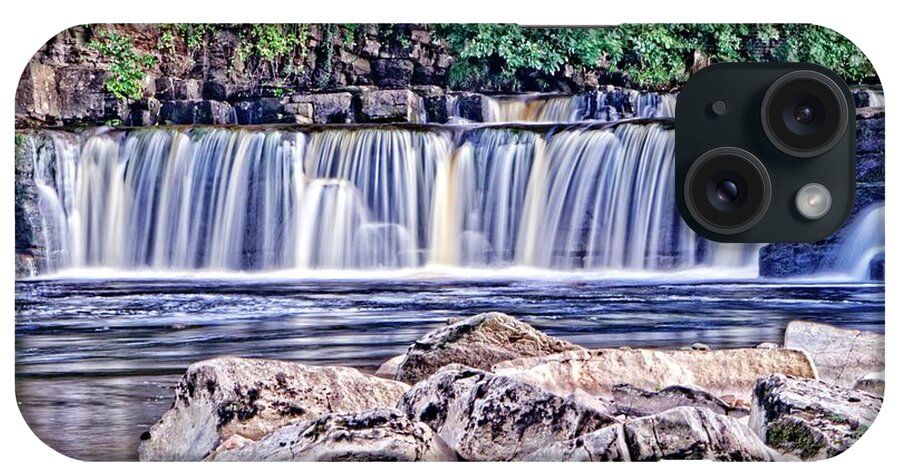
603, 105
864, 241
217, 199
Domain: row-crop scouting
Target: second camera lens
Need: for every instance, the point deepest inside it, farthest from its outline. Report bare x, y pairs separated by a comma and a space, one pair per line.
804, 113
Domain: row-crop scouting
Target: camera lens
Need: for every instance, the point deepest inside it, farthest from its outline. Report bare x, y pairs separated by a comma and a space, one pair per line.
727, 190
804, 113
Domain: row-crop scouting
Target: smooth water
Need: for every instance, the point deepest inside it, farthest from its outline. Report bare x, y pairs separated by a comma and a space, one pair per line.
96, 359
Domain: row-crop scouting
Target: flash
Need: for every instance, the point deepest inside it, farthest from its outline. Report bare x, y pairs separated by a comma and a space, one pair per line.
813, 201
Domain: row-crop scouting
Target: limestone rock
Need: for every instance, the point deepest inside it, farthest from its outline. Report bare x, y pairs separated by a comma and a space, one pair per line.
378, 435
388, 369
219, 398
262, 110
808, 418
479, 341
720, 372
392, 72
841, 355
328, 107
636, 402
488, 417
196, 112
872, 383
37, 94
679, 433
400, 105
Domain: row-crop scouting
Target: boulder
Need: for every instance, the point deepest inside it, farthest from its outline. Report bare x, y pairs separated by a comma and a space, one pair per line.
37, 95
489, 417
720, 372
479, 341
810, 419
636, 402
177, 89
196, 112
217, 399
841, 356
264, 110
468, 106
378, 435
392, 72
84, 98
399, 105
328, 108
388, 369
872, 383
679, 433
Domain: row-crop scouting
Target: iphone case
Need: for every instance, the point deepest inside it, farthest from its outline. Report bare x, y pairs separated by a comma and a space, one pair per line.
420, 242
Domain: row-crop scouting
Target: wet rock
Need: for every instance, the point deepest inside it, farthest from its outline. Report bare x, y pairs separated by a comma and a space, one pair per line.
84, 97
388, 369
700, 346
216, 90
489, 417
720, 372
840, 355
636, 402
36, 95
808, 418
392, 72
176, 89
872, 383
400, 105
196, 112
478, 341
217, 399
328, 107
265, 110
299, 113
378, 435
469, 106
679, 433
144, 112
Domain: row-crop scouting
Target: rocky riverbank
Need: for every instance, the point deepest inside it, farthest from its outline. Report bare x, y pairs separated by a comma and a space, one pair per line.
491, 387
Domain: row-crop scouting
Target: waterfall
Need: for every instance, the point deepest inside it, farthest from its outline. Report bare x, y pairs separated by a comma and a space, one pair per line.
385, 197
864, 240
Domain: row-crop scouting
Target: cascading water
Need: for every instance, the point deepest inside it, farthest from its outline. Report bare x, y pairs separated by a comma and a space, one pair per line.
864, 241
374, 197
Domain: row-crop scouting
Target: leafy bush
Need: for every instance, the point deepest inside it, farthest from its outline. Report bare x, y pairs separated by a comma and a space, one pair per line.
651, 55
127, 67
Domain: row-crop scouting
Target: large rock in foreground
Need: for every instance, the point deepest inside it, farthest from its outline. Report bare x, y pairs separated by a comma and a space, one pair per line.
636, 402
226, 397
480, 342
380, 435
679, 433
841, 356
808, 418
488, 417
597, 372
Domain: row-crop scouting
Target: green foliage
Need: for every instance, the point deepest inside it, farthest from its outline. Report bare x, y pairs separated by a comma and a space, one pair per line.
652, 55
394, 35
815, 44
348, 33
127, 67
166, 42
326, 56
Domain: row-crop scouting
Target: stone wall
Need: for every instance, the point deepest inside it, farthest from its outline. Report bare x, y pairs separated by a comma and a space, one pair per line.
393, 73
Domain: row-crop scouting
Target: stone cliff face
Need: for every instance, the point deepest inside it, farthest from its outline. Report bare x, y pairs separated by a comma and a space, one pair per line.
374, 73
